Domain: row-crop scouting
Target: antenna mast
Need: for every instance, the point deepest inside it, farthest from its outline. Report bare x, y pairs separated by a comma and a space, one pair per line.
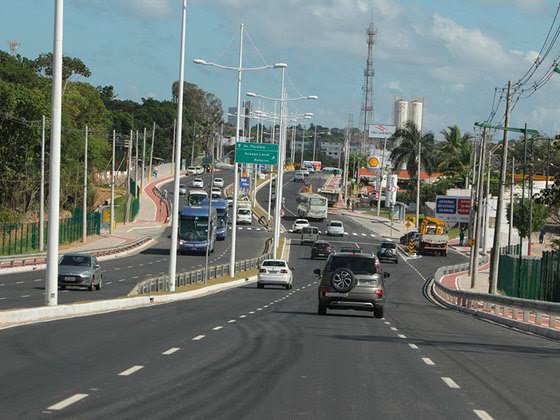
366, 115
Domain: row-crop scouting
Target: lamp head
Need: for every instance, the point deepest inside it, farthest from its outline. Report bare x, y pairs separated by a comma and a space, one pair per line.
251, 94
313, 97
280, 66
199, 61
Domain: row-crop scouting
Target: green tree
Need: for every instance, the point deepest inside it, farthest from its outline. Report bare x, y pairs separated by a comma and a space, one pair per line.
521, 217
454, 155
408, 140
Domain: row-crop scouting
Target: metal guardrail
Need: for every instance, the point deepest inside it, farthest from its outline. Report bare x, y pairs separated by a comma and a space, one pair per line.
541, 314
165, 200
41, 258
161, 284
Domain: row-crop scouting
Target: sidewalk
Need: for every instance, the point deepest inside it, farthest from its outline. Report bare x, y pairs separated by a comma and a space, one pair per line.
383, 227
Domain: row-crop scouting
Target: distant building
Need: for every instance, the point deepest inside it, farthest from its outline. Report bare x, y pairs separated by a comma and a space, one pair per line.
331, 149
232, 116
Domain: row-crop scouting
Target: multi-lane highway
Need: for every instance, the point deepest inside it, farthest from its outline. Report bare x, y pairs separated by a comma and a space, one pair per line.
119, 276
265, 353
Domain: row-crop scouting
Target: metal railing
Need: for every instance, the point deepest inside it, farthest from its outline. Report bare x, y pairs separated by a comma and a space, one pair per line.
163, 198
543, 315
41, 258
161, 284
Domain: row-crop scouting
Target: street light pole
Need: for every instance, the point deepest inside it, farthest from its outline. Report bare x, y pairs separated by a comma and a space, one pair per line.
280, 177
499, 210
152, 152
419, 172
510, 233
478, 212
314, 142
177, 179
236, 165
143, 163
51, 283
42, 192
112, 219
84, 202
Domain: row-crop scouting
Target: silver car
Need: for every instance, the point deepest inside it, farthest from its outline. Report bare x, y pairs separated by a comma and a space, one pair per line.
275, 272
80, 270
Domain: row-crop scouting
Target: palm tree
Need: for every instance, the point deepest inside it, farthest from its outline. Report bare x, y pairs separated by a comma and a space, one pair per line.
454, 155
409, 139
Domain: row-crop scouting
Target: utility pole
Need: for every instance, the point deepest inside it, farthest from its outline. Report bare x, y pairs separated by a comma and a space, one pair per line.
152, 152
475, 249
84, 205
302, 145
136, 167
143, 173
419, 172
207, 254
51, 283
346, 156
381, 183
531, 167
173, 149
192, 146
487, 204
510, 233
42, 193
128, 177
314, 142
112, 219
495, 256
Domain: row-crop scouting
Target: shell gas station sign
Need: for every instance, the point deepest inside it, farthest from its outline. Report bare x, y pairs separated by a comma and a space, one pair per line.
373, 162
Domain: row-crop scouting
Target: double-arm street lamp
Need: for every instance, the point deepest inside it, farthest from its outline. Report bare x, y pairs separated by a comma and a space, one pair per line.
281, 153
239, 69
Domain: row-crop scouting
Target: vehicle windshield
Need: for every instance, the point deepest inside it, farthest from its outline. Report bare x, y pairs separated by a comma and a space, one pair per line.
358, 265
321, 245
194, 228
336, 224
318, 201
222, 217
76, 260
274, 264
196, 199
244, 211
310, 230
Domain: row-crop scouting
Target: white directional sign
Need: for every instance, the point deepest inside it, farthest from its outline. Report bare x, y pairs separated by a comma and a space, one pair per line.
381, 131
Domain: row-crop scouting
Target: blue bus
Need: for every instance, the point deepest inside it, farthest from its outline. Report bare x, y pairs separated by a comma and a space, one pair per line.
221, 206
193, 229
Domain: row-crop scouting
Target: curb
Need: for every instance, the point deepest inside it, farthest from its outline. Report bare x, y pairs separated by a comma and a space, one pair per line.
20, 317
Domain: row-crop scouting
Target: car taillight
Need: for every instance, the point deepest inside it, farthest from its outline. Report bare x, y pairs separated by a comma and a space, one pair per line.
262, 270
324, 290
379, 293
284, 271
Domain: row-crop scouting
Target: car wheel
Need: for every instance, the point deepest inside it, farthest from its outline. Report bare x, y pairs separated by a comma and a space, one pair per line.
322, 309
260, 286
343, 280
91, 287
100, 284
378, 312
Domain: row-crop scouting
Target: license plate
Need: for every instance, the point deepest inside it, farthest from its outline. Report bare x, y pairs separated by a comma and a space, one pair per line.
69, 279
272, 272
336, 294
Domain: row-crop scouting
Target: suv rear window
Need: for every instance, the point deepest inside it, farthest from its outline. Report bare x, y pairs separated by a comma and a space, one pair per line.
389, 245
336, 224
359, 265
320, 245
274, 264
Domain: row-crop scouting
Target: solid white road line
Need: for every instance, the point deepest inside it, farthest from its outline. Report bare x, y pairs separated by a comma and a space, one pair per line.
171, 351
402, 336
428, 361
483, 415
131, 370
450, 382
68, 401
218, 328
413, 346
198, 337
232, 321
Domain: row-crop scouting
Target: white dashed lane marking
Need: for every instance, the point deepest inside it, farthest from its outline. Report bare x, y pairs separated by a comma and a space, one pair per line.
242, 316
19, 282
198, 337
36, 280
428, 361
450, 382
25, 296
483, 415
402, 336
413, 346
67, 402
394, 329
171, 351
218, 328
232, 321
131, 370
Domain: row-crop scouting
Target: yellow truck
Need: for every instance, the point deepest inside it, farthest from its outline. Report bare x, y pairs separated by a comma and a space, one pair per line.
433, 238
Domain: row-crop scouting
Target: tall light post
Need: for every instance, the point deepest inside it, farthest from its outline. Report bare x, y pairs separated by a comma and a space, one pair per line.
282, 153
51, 282
42, 190
240, 69
177, 173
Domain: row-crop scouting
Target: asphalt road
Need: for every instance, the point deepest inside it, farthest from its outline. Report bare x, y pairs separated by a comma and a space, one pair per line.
253, 353
20, 290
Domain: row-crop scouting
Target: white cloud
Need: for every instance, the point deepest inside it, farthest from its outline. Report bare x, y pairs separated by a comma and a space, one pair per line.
393, 85
458, 87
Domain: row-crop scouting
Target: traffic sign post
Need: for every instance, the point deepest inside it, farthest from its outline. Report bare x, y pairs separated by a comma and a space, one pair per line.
372, 162
256, 153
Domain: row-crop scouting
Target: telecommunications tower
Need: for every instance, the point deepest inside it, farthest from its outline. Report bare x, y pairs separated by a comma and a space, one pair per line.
366, 115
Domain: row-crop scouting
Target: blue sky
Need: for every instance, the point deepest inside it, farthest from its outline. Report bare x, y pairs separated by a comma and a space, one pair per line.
452, 53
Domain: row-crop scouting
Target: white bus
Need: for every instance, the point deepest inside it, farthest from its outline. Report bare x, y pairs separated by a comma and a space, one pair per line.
312, 206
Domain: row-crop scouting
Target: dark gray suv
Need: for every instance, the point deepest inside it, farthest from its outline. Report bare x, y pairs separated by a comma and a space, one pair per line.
352, 281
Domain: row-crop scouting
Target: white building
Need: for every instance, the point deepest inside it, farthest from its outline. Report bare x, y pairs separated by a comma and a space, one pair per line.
331, 149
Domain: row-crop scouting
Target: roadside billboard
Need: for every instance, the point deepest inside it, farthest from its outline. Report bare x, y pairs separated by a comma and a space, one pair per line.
381, 131
453, 209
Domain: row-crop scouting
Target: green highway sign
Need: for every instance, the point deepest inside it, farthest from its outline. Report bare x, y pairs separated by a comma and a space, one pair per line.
256, 153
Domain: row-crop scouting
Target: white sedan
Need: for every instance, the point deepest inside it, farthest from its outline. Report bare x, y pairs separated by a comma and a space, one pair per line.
275, 272
299, 224
335, 228
218, 182
197, 183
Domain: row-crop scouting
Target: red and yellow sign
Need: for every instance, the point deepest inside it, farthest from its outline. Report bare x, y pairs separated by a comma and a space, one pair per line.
373, 162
